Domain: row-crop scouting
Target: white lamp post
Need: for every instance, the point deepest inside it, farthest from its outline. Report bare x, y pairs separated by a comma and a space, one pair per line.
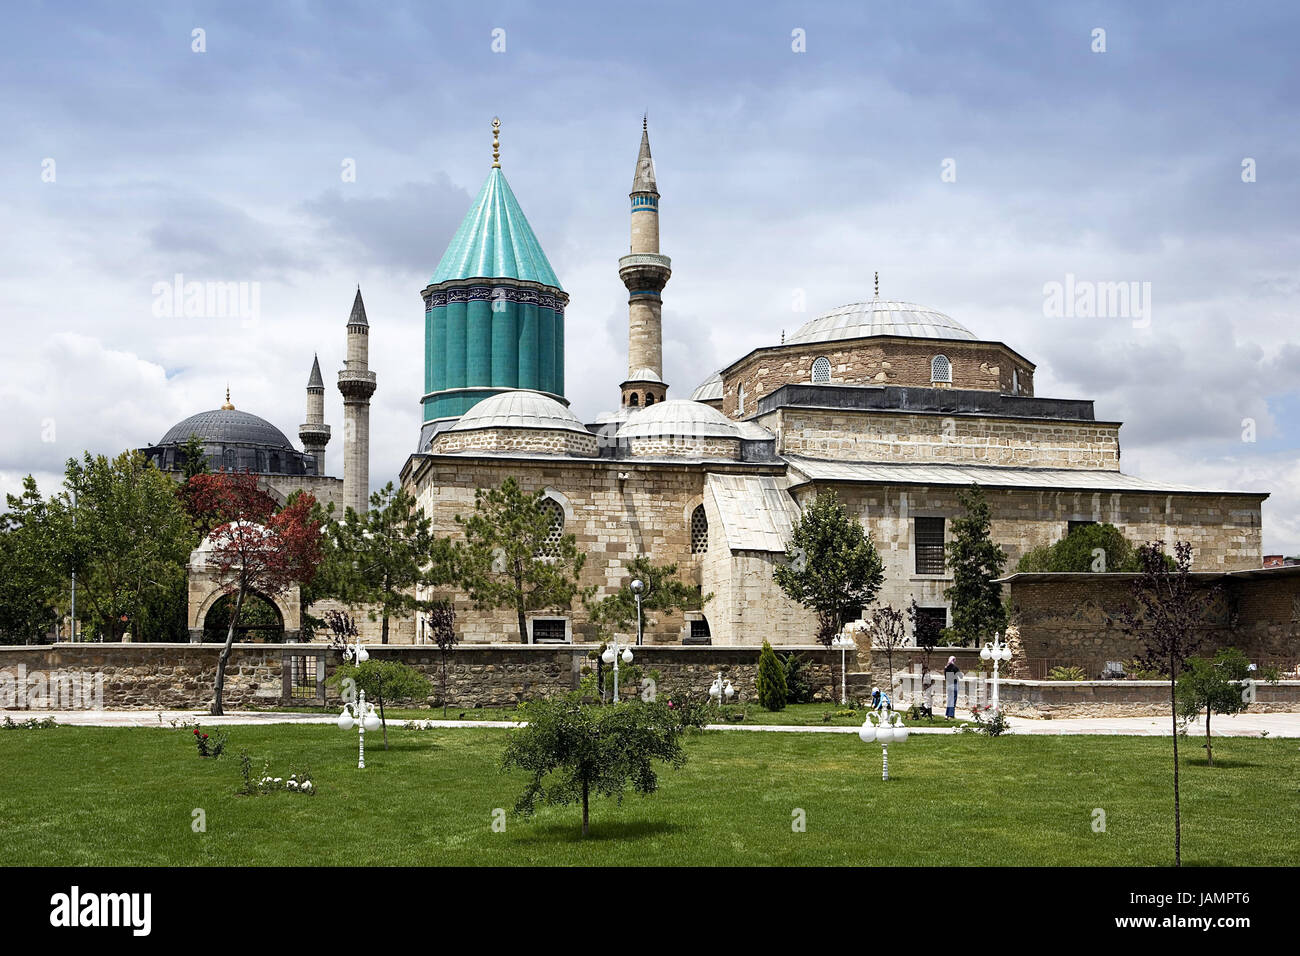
612, 656
721, 693
996, 652
890, 730
637, 588
843, 642
364, 716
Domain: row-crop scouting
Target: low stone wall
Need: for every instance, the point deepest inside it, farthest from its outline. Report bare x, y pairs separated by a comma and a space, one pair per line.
1120, 698
180, 676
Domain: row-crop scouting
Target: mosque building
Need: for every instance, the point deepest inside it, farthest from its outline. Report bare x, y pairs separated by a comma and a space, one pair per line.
895, 406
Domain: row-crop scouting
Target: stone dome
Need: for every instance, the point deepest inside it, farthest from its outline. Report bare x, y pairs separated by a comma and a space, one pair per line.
880, 317
520, 409
227, 426
678, 417
710, 390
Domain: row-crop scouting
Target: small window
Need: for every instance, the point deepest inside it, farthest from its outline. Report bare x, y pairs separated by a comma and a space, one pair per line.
649, 400
553, 509
550, 630
940, 369
935, 617
633, 401
740, 399
821, 371
1015, 381
928, 537
699, 530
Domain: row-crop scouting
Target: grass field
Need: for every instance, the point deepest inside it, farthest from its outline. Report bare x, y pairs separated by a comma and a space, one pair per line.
79, 796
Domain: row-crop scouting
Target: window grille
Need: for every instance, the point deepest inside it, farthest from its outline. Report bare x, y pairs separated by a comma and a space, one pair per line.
928, 539
699, 530
821, 371
940, 369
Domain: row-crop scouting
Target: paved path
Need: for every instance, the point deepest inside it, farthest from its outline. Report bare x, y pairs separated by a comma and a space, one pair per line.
1242, 725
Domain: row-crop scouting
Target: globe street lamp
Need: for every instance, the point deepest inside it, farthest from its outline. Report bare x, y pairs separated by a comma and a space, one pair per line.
720, 693
637, 588
364, 716
843, 642
996, 652
612, 656
889, 729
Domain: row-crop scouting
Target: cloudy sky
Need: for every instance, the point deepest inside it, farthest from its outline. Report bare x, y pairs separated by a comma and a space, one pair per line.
972, 154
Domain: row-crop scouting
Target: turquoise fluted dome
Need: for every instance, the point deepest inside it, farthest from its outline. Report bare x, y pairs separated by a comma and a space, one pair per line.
494, 241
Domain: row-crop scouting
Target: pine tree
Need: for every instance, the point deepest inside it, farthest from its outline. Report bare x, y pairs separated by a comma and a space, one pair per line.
771, 679
976, 562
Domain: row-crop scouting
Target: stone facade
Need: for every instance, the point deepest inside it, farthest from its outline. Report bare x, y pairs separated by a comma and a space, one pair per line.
536, 441
853, 435
684, 446
879, 360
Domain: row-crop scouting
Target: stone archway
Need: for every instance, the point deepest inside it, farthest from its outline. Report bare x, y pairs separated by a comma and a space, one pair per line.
205, 591
261, 621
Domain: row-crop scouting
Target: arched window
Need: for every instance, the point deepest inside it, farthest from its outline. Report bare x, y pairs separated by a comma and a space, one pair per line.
740, 399
649, 399
555, 511
821, 371
228, 459
699, 530
633, 400
941, 369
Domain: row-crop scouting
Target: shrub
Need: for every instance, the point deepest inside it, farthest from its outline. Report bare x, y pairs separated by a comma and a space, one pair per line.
206, 746
798, 680
1067, 672
772, 690
989, 722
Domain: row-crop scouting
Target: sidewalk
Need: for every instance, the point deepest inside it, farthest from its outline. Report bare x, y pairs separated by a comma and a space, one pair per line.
1242, 725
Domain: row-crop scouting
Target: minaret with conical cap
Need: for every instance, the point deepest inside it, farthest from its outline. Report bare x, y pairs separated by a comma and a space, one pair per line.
314, 433
357, 383
645, 273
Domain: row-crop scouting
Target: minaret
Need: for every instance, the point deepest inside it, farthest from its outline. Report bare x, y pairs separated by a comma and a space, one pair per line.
357, 383
314, 433
645, 273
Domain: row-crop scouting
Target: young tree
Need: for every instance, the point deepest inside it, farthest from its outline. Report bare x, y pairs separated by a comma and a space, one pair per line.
1215, 685
662, 591
888, 633
513, 558
770, 679
1165, 615
256, 549
194, 458
831, 567
383, 555
927, 633
383, 681
976, 563
573, 750
442, 627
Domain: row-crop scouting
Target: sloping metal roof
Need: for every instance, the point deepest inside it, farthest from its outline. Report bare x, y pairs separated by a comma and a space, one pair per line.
757, 511
992, 476
709, 390
880, 317
495, 241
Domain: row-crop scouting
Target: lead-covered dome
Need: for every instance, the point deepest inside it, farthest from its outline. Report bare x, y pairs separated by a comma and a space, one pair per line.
880, 317
709, 390
520, 409
678, 417
227, 426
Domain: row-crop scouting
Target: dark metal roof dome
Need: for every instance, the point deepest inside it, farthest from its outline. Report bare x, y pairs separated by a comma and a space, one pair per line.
227, 426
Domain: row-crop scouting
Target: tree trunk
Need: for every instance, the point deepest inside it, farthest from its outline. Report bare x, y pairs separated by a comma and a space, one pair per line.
383, 723
585, 827
523, 626
384, 635
217, 710
1209, 751
444, 686
1178, 818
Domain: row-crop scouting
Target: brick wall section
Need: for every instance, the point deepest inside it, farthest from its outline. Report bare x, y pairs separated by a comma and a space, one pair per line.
875, 361
852, 435
180, 676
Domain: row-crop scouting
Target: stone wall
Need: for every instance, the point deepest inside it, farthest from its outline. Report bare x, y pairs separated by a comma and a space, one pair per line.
862, 435
873, 361
1120, 698
180, 676
534, 440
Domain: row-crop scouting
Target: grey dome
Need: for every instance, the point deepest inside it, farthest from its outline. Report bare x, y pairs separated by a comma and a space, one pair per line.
227, 426
710, 390
880, 317
678, 418
520, 409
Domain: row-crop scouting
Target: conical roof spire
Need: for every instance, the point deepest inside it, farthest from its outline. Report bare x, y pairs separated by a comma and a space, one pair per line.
358, 316
315, 381
644, 180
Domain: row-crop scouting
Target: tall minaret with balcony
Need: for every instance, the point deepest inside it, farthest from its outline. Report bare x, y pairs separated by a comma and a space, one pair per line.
314, 433
645, 273
357, 383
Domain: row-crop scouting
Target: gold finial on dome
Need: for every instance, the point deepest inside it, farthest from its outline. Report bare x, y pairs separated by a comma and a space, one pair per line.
228, 407
496, 143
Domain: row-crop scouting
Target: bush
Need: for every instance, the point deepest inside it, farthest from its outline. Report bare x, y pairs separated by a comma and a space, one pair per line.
772, 690
798, 680
1067, 672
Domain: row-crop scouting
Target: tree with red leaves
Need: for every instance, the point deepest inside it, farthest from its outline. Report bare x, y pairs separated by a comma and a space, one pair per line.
254, 547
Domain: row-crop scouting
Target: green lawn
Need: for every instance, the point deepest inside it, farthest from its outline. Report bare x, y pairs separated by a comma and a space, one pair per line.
125, 796
796, 715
